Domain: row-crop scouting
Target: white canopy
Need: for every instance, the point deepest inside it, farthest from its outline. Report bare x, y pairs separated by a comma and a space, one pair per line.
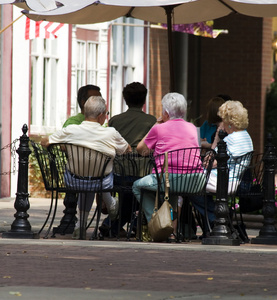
185, 11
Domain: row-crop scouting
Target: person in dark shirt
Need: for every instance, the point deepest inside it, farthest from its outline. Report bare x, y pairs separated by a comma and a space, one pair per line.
133, 126
134, 123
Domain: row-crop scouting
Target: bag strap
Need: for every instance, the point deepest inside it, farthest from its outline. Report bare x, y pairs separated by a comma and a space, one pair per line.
167, 184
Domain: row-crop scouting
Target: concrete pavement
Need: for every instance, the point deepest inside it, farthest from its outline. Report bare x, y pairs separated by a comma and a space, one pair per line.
62, 268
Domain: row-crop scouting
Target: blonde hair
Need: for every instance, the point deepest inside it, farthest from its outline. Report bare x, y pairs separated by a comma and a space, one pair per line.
232, 112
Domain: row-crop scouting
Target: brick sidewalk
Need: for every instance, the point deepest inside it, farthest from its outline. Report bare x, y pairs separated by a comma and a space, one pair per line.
131, 270
200, 272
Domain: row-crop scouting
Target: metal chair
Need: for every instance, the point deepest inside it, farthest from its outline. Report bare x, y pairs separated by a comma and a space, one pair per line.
237, 167
249, 193
44, 162
76, 169
81, 170
189, 170
127, 169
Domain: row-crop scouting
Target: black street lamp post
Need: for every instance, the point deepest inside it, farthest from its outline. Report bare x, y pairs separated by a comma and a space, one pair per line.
268, 233
21, 227
221, 233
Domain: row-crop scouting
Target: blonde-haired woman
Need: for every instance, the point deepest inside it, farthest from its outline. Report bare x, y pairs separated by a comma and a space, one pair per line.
238, 142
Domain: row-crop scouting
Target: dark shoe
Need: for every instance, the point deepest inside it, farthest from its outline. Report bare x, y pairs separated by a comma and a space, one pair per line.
206, 232
122, 233
212, 224
171, 238
189, 233
104, 230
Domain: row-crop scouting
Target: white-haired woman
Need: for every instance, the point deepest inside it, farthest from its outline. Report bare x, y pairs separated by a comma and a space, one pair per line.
171, 132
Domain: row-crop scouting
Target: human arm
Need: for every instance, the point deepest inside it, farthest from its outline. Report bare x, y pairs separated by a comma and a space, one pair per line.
45, 141
57, 137
215, 142
205, 143
143, 147
217, 139
128, 149
208, 158
120, 144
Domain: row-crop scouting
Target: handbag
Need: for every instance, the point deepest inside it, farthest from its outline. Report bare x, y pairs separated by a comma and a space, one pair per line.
160, 226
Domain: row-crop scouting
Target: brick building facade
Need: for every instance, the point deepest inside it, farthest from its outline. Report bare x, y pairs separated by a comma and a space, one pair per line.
158, 70
238, 64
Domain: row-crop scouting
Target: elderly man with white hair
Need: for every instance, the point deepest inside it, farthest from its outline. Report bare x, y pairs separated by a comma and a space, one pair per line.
91, 134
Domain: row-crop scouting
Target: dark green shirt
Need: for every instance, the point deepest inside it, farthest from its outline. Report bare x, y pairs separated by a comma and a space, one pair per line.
133, 125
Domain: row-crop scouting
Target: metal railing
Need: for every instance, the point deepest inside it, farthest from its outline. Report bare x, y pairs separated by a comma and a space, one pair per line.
13, 168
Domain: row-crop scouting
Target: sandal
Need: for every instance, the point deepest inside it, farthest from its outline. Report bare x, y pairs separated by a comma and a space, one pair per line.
171, 238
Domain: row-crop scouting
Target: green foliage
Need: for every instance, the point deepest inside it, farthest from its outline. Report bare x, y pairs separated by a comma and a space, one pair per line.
36, 184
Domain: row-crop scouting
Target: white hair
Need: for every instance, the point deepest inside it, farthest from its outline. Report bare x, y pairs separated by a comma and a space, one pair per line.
94, 106
175, 105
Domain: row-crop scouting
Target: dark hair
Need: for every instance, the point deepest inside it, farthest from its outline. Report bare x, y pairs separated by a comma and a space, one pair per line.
224, 97
212, 110
135, 94
82, 96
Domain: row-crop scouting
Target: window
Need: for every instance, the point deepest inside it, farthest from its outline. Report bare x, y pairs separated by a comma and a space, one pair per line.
44, 65
92, 66
87, 69
127, 64
81, 63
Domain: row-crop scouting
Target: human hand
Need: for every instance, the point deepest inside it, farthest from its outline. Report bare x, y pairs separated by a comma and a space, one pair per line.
220, 127
205, 144
45, 141
160, 120
208, 159
129, 149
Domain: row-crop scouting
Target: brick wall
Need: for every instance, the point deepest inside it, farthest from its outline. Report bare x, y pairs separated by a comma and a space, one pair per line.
159, 70
238, 64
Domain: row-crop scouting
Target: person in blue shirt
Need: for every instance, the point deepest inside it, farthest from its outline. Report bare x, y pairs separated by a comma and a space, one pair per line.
209, 127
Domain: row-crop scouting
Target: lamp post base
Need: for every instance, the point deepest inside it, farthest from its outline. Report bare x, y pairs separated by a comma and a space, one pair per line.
264, 240
224, 241
20, 235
